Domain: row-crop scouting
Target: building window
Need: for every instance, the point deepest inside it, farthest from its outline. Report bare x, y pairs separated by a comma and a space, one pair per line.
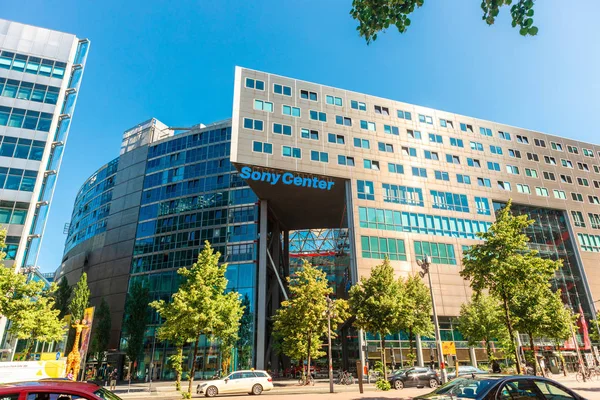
281, 129
577, 197
319, 156
26, 149
485, 182
452, 159
550, 160
578, 219
473, 162
334, 101
255, 124
318, 116
289, 110
255, 84
541, 191
406, 195
370, 126
522, 139
456, 142
495, 149
413, 134
476, 146
440, 253
395, 168
371, 164
582, 182
465, 179
504, 185
533, 157
441, 176
556, 146
404, 115
493, 166
26, 119
382, 110
594, 220
566, 163
293, 152
263, 105
308, 95
432, 155
309, 134
559, 194
504, 135
539, 142
566, 179
466, 127
358, 105
589, 242
344, 160
514, 153
583, 166
282, 89
512, 169
409, 151
593, 199
341, 120
437, 139
420, 172
588, 153
391, 130
426, 119
549, 176
336, 139
446, 123
485, 131
379, 248
532, 173
365, 190
449, 201
521, 188
261, 147
361, 143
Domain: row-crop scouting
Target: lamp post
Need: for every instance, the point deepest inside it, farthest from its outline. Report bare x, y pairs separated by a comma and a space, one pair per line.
579, 359
424, 264
329, 313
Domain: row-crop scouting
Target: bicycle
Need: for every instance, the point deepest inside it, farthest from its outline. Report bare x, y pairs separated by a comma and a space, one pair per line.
586, 374
344, 378
306, 380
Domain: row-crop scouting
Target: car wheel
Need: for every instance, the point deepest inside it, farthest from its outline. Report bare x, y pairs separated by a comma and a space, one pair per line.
257, 389
398, 385
433, 383
211, 391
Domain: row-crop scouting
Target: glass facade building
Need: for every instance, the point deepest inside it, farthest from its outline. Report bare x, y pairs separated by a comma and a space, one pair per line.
40, 76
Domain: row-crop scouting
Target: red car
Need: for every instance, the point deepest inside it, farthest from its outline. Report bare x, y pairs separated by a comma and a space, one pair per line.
55, 390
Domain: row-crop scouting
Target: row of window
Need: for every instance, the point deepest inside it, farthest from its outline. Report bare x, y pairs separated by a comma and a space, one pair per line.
579, 221
29, 91
32, 65
13, 212
394, 249
17, 179
21, 148
12, 245
589, 242
26, 119
402, 221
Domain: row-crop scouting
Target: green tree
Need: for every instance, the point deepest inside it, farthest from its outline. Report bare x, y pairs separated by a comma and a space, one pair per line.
504, 265
480, 320
593, 330
62, 296
136, 320
38, 322
375, 16
203, 304
378, 304
81, 298
416, 318
102, 325
301, 322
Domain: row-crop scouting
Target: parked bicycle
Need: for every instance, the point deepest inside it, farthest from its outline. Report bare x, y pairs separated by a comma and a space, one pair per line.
344, 378
306, 380
586, 373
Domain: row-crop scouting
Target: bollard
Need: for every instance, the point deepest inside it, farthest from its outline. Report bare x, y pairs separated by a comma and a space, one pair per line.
359, 373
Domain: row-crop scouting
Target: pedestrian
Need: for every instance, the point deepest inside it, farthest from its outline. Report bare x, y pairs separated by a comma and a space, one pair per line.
70, 375
113, 379
496, 367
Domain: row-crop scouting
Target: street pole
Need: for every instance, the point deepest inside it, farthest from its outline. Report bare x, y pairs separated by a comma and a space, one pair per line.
425, 264
152, 362
329, 309
579, 359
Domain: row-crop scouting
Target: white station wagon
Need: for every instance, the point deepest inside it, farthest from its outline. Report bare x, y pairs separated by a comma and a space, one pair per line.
250, 381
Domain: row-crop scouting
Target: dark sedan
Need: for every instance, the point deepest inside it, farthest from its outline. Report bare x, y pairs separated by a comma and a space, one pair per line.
419, 377
502, 387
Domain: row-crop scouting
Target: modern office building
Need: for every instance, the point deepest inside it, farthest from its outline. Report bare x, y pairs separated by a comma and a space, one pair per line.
409, 181
40, 75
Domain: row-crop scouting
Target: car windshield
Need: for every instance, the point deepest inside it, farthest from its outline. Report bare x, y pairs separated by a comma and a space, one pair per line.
106, 394
465, 388
400, 372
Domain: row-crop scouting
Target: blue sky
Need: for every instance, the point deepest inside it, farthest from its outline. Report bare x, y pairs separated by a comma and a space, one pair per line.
175, 61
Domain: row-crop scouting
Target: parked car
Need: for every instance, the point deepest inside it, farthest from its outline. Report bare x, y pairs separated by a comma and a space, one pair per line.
250, 381
419, 377
57, 389
502, 387
466, 370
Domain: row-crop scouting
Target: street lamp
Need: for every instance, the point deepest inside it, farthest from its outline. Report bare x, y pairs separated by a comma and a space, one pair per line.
424, 264
329, 313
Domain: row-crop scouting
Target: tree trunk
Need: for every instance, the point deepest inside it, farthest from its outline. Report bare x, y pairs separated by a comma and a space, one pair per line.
488, 349
178, 367
510, 333
308, 360
28, 349
533, 353
410, 346
383, 356
193, 370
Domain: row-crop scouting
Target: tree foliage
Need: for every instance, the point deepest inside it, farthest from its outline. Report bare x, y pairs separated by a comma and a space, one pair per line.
81, 298
136, 320
480, 320
377, 302
62, 296
103, 325
417, 310
301, 322
375, 16
504, 265
201, 305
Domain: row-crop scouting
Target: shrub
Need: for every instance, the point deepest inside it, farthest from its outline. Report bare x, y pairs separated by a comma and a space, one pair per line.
382, 384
